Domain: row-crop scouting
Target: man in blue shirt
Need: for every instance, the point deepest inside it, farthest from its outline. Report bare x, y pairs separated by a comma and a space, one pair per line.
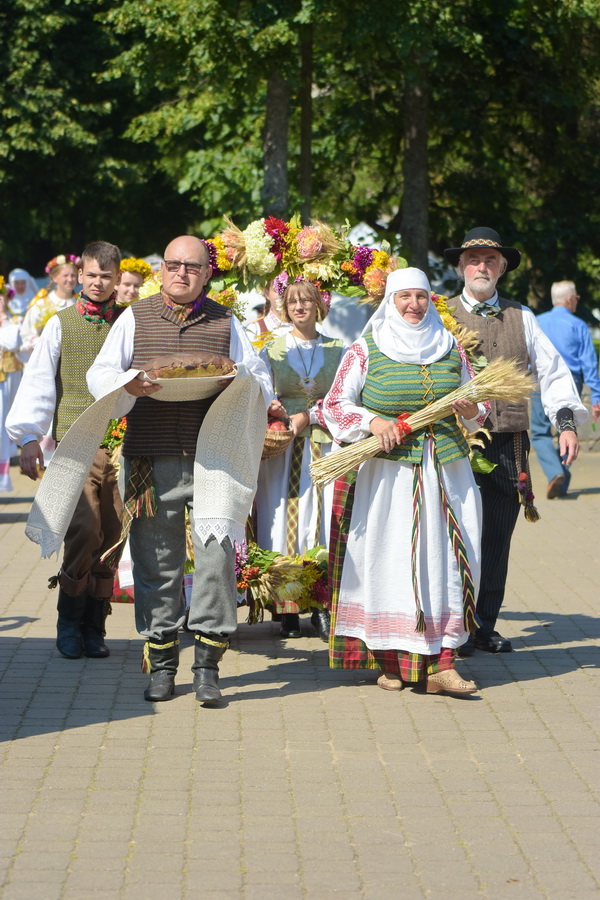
571, 337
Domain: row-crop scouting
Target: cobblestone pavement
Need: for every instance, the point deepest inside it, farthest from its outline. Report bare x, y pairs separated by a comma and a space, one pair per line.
307, 783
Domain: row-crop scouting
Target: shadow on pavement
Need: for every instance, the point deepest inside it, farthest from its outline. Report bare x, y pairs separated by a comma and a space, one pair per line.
43, 693
6, 501
9, 623
554, 627
11, 518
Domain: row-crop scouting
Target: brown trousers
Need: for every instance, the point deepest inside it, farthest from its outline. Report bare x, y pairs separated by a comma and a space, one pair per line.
94, 528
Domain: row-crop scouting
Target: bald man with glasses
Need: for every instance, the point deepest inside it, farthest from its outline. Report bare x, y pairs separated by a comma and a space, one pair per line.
179, 318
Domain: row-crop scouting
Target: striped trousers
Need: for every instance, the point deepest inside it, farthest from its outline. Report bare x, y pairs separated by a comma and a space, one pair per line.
500, 502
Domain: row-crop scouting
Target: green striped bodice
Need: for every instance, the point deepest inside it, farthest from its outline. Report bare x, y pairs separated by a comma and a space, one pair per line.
393, 387
287, 383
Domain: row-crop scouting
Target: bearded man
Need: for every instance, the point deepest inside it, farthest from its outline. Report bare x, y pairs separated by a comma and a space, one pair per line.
507, 329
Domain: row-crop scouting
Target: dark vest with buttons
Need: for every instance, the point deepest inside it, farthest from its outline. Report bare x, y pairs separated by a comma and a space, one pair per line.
392, 388
501, 335
157, 427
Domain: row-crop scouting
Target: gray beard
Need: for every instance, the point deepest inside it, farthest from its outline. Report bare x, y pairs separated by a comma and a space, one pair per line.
481, 290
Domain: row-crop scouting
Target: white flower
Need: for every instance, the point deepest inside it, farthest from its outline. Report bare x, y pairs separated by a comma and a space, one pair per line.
258, 249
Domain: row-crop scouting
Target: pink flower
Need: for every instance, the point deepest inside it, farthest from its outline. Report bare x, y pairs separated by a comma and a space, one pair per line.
374, 282
309, 242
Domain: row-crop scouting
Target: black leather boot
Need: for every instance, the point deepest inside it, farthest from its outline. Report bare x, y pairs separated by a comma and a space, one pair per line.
92, 627
208, 653
320, 621
290, 625
161, 659
68, 627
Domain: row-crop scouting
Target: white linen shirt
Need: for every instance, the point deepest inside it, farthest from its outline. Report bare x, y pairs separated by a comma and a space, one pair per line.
117, 353
547, 365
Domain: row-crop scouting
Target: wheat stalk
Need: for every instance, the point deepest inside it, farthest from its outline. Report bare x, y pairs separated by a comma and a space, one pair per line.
500, 380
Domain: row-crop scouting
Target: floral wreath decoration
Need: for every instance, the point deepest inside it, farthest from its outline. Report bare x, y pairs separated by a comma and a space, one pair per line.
272, 249
284, 252
62, 259
139, 266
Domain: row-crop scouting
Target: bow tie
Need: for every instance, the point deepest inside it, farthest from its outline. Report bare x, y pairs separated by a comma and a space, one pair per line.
480, 308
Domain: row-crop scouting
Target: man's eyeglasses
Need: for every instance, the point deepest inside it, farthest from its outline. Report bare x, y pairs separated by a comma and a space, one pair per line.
299, 302
191, 268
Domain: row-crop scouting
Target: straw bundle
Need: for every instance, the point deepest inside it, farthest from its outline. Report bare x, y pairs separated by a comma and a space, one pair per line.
235, 241
500, 380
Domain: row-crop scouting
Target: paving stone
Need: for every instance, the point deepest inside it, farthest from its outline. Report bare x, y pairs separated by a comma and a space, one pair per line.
309, 784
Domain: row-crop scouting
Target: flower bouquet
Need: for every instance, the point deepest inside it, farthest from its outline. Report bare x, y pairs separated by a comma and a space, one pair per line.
281, 583
499, 380
271, 249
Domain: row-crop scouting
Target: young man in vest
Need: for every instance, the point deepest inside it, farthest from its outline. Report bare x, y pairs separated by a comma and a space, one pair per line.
507, 329
54, 392
159, 453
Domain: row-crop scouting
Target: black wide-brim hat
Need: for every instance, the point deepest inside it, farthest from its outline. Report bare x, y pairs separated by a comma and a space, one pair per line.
484, 238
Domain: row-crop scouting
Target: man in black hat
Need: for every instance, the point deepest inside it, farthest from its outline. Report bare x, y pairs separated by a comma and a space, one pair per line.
507, 329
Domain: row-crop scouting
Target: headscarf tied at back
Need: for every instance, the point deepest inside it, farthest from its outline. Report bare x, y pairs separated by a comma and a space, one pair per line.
20, 302
422, 342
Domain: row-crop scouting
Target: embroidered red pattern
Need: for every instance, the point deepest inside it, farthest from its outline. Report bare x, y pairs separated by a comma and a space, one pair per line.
355, 352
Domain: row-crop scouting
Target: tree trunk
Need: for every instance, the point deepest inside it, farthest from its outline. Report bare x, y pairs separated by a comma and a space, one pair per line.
414, 216
306, 73
275, 148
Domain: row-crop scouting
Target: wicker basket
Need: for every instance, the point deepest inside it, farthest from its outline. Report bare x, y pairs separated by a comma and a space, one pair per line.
276, 442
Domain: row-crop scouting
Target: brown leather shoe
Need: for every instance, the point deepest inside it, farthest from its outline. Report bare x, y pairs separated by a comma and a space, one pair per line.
554, 487
390, 682
449, 682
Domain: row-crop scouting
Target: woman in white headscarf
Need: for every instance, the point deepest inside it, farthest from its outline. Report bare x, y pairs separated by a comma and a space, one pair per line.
25, 290
405, 543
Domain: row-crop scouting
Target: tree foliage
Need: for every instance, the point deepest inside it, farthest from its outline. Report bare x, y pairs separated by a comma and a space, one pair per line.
137, 120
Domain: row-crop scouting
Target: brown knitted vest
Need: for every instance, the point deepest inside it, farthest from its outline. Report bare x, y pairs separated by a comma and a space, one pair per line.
501, 335
156, 427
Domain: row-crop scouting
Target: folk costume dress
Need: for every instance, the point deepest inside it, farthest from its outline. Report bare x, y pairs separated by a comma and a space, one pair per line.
11, 366
292, 514
405, 545
267, 326
44, 305
10, 377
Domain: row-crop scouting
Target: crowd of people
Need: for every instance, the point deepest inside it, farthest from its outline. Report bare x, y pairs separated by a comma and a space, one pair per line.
418, 544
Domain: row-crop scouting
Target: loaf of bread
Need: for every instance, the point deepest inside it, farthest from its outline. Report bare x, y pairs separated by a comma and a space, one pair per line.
199, 364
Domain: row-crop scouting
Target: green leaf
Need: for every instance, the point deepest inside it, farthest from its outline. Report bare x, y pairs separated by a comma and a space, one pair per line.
480, 464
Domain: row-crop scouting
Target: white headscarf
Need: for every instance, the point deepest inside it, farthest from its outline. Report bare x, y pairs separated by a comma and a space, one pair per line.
422, 342
20, 302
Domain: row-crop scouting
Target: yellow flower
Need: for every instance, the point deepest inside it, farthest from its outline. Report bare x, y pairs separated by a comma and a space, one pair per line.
151, 285
380, 259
